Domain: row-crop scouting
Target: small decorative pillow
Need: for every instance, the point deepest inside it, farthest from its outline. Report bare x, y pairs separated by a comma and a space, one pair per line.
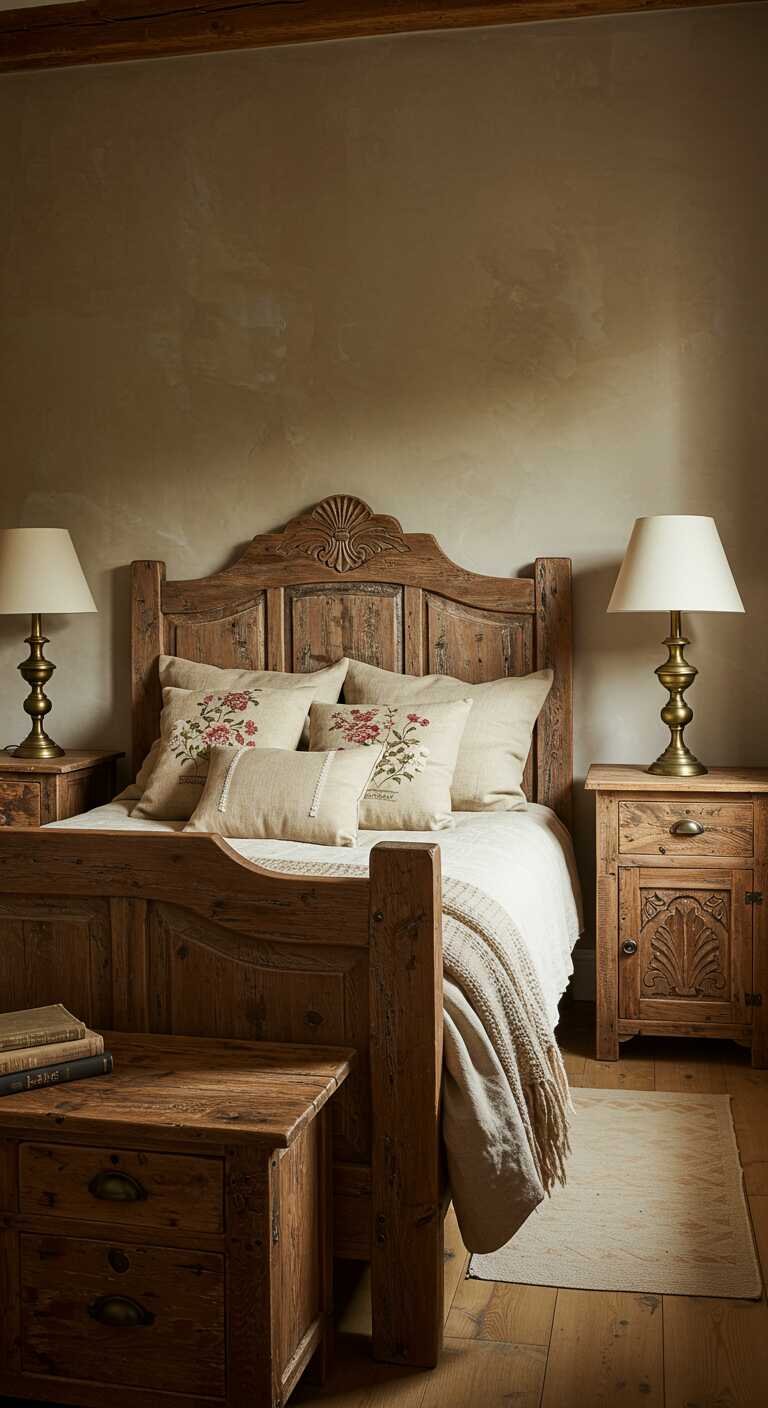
285, 796
192, 723
496, 741
176, 673
410, 789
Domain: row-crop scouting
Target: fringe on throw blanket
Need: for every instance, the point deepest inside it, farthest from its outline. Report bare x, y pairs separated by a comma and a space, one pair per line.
484, 955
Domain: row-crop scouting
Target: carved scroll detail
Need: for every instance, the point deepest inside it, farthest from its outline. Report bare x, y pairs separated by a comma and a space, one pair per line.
687, 944
342, 533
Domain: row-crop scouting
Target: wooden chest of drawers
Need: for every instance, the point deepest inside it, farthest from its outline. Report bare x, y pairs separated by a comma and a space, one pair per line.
166, 1230
682, 906
35, 791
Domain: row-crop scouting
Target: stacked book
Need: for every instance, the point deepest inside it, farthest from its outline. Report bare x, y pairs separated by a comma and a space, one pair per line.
48, 1046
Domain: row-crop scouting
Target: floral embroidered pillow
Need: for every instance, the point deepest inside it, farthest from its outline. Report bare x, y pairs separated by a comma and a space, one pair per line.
410, 789
193, 722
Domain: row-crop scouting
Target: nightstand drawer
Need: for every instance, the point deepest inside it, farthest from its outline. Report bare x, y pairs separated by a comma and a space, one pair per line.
686, 827
138, 1189
19, 803
144, 1317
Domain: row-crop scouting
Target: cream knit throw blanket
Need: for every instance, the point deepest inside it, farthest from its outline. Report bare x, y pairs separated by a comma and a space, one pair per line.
484, 955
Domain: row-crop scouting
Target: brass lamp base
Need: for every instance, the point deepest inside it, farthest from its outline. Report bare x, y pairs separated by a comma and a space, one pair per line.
37, 671
676, 675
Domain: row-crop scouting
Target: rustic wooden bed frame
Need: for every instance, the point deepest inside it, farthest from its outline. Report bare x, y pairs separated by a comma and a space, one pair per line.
177, 934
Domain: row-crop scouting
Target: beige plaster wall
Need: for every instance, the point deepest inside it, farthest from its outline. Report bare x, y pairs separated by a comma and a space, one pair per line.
509, 285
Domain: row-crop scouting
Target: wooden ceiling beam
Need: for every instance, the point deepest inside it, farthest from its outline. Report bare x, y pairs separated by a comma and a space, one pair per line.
109, 31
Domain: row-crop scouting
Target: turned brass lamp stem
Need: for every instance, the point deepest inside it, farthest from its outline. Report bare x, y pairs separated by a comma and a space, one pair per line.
677, 676
37, 671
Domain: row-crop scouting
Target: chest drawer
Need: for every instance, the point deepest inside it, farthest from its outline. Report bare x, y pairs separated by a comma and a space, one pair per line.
686, 827
132, 1187
146, 1317
20, 803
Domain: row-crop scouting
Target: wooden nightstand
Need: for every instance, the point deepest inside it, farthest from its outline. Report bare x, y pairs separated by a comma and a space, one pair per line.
34, 792
682, 906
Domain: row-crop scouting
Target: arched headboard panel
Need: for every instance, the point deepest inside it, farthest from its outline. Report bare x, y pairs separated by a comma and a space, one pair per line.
342, 580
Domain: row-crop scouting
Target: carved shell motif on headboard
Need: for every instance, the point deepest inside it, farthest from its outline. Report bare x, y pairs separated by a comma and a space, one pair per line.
342, 533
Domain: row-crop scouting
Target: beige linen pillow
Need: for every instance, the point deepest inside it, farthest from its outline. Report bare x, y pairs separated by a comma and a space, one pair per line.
176, 673
193, 722
410, 789
497, 738
286, 796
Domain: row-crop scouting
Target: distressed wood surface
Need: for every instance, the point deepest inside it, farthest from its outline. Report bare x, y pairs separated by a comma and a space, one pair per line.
343, 580
622, 777
34, 793
61, 1277
646, 827
677, 942
406, 1009
20, 803
176, 1190
127, 29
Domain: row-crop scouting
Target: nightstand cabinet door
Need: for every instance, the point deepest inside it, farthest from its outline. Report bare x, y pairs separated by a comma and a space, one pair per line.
685, 947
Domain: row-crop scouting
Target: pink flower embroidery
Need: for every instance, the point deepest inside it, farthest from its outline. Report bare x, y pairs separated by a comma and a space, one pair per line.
250, 727
237, 700
217, 733
239, 737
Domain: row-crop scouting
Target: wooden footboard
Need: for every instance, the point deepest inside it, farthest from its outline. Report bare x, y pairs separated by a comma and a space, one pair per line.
178, 934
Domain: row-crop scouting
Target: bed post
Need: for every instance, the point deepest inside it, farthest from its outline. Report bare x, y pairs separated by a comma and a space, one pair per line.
147, 643
406, 1012
554, 649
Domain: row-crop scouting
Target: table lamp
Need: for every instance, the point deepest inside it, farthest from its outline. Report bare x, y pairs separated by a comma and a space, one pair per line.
39, 572
675, 563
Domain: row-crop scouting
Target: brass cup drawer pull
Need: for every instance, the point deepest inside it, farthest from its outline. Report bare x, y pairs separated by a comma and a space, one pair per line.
687, 827
120, 1312
114, 1186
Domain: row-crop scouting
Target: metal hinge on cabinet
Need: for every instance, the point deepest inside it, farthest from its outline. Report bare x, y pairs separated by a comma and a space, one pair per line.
754, 897
753, 999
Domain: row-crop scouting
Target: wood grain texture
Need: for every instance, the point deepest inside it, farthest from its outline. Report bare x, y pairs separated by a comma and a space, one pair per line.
760, 937
605, 1349
553, 741
247, 1227
147, 645
127, 29
646, 827
623, 777
20, 803
719, 1352
406, 1069
679, 937
176, 1190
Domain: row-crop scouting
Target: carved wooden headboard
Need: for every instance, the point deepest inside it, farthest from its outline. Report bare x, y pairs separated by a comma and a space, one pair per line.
341, 580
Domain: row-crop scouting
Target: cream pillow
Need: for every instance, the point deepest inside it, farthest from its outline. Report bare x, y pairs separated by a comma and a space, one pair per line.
286, 796
176, 673
193, 722
497, 738
410, 789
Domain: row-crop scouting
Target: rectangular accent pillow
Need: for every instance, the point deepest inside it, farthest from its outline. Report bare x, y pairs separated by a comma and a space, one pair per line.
192, 722
177, 673
497, 738
410, 789
270, 793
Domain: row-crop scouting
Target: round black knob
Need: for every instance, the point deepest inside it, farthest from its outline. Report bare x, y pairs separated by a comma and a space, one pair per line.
629, 947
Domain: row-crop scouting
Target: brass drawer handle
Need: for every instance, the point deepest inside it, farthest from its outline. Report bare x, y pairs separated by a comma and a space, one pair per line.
116, 1187
686, 827
120, 1312
629, 947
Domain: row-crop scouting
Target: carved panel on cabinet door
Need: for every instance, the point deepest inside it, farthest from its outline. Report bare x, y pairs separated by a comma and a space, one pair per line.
686, 943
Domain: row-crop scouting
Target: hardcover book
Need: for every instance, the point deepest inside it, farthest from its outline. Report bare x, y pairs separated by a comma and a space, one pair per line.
39, 1026
60, 1074
27, 1058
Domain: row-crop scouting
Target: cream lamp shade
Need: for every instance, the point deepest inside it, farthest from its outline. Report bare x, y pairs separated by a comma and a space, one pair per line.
40, 573
675, 562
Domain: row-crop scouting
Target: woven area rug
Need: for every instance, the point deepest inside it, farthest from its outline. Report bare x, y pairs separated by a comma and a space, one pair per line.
654, 1203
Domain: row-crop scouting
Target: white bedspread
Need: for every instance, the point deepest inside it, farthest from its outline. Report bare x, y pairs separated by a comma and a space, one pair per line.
524, 861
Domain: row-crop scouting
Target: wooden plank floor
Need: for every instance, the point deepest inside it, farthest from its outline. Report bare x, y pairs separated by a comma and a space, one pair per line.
536, 1347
